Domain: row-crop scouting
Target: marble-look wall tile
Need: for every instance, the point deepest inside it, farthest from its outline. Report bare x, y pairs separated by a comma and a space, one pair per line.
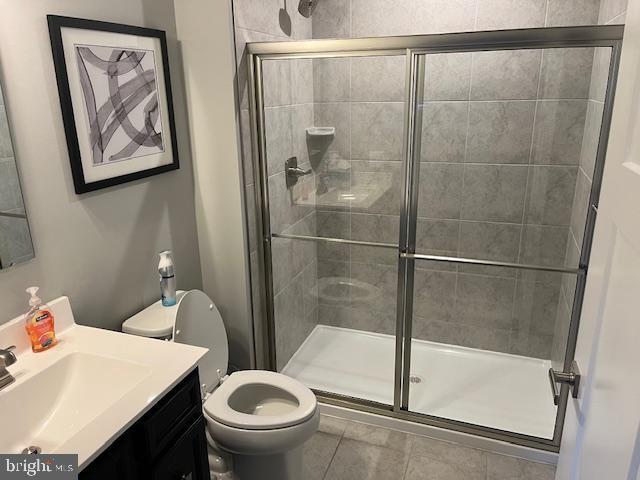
489, 241
17, 245
383, 177
10, 193
447, 76
333, 225
276, 82
600, 74
558, 131
434, 295
591, 137
375, 228
332, 19
259, 15
500, 132
301, 80
302, 117
444, 131
289, 321
440, 189
437, 236
566, 73
442, 16
494, 193
561, 331
505, 75
375, 18
377, 131
337, 115
610, 9
331, 79
279, 139
6, 148
378, 79
580, 206
543, 245
550, 195
535, 307
502, 14
561, 13
484, 301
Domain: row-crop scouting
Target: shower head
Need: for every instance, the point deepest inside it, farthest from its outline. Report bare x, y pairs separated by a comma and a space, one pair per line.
306, 7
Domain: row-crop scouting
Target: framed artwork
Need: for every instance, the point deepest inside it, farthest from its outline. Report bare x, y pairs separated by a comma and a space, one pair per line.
115, 96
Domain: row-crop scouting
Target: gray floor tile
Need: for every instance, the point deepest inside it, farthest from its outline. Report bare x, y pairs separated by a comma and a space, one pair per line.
332, 425
501, 467
318, 453
381, 437
356, 460
449, 452
427, 468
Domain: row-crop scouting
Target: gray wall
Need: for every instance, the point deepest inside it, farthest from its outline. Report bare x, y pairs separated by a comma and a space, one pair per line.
99, 248
611, 12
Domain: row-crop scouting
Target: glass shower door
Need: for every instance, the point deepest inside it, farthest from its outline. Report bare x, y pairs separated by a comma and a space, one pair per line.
334, 141
504, 154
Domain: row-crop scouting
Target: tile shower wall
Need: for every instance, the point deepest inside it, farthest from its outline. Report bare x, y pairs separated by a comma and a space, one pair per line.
502, 136
15, 240
288, 97
611, 12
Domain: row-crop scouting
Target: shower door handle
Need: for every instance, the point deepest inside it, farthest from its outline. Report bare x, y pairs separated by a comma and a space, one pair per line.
293, 172
572, 379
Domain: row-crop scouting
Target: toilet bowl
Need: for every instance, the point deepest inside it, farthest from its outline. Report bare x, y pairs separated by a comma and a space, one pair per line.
259, 418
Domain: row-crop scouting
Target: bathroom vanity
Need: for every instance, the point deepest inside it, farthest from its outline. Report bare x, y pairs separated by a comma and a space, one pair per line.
168, 442
128, 406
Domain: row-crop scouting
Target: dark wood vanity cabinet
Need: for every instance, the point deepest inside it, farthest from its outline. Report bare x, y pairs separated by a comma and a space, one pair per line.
167, 443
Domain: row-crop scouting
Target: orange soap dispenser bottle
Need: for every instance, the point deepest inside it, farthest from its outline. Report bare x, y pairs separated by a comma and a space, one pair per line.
39, 323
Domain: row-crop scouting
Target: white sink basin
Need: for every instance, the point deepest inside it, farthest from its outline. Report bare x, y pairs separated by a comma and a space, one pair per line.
53, 405
80, 395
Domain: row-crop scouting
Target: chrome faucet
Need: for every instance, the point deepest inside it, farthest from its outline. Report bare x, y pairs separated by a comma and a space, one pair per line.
6, 358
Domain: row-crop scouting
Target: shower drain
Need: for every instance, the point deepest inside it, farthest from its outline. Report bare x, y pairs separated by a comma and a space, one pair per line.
415, 379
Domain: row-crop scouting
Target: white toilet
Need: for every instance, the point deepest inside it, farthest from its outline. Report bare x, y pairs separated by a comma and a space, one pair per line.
260, 418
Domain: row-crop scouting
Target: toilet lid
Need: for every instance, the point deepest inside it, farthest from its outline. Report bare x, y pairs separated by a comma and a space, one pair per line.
199, 323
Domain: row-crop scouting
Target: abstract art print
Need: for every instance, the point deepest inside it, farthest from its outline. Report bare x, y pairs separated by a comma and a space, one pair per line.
121, 102
115, 97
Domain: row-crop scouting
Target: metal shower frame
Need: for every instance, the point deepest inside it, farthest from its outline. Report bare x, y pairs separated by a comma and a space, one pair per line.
415, 48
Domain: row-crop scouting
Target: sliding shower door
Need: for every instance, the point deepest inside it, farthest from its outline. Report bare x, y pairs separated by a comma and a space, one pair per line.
504, 154
426, 211
334, 143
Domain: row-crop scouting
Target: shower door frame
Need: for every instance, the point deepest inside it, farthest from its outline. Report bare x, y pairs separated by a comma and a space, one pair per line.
415, 48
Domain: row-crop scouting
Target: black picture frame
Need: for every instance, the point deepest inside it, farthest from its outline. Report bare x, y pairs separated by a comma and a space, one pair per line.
56, 24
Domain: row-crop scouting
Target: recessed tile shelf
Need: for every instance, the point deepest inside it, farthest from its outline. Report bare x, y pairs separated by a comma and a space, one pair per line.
321, 131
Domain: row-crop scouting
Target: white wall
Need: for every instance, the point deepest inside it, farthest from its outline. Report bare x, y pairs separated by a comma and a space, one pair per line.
206, 40
99, 248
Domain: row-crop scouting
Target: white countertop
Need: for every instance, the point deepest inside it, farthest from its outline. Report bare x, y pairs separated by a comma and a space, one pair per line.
159, 366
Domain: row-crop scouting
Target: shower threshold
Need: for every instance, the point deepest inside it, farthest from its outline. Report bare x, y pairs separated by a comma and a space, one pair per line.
497, 390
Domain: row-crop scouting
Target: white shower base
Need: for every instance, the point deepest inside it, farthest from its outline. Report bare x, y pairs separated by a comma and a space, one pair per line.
497, 390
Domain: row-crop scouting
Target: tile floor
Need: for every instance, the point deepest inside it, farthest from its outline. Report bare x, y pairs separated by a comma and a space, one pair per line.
343, 450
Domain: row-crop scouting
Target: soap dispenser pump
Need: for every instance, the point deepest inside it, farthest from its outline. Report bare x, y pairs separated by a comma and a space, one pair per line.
167, 273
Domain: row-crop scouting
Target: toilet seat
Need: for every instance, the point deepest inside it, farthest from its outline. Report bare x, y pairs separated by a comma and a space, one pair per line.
294, 403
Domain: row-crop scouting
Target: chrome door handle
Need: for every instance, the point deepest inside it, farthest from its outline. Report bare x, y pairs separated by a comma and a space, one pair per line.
293, 172
572, 379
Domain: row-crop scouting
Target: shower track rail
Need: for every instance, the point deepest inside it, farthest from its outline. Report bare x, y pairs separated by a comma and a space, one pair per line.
414, 48
435, 258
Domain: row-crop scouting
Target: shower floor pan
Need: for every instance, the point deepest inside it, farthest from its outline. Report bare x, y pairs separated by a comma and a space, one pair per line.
497, 390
